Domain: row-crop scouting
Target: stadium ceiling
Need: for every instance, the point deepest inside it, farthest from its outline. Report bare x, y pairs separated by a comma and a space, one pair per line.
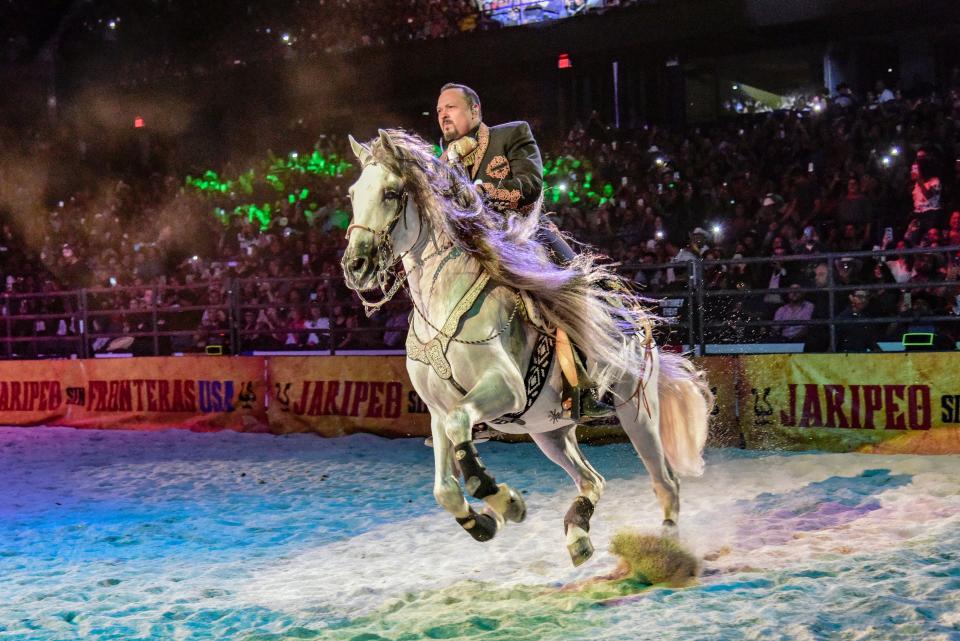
26, 25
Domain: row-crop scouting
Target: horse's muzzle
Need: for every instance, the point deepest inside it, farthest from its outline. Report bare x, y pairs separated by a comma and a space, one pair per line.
358, 270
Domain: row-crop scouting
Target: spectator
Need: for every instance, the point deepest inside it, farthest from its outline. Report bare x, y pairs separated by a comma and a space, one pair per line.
796, 308
342, 323
883, 93
856, 337
318, 321
856, 210
926, 192
777, 277
952, 233
844, 97
295, 326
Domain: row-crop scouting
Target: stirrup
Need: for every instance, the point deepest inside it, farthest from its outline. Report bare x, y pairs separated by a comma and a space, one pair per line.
592, 407
581, 402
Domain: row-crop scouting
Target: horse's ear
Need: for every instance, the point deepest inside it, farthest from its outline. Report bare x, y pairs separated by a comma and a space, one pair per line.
388, 143
362, 152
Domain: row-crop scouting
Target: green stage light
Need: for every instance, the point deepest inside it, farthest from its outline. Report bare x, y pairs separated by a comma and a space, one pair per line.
290, 178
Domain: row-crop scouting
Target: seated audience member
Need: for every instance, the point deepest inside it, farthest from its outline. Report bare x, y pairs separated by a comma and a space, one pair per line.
856, 337
796, 308
317, 321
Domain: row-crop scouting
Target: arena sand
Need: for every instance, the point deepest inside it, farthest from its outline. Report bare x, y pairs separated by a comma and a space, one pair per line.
181, 535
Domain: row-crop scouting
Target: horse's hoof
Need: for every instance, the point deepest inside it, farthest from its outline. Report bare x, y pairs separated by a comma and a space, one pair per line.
580, 549
482, 527
669, 529
508, 503
516, 507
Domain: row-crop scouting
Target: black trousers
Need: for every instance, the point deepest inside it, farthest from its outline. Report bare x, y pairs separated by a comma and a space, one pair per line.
551, 237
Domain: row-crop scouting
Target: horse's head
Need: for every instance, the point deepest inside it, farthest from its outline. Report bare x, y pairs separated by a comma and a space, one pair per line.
385, 224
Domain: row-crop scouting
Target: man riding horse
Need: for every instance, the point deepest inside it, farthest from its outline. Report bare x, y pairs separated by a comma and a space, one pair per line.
504, 162
481, 350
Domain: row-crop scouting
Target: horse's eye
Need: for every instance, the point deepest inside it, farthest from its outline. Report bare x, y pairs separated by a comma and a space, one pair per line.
390, 194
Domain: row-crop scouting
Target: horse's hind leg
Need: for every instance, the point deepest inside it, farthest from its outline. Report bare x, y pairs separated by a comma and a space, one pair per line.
493, 396
642, 427
561, 447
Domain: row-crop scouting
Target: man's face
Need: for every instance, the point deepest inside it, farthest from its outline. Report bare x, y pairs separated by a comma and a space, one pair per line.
820, 275
455, 116
858, 301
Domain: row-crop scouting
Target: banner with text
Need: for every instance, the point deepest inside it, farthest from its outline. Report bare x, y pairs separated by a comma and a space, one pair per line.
869, 402
336, 395
141, 393
844, 402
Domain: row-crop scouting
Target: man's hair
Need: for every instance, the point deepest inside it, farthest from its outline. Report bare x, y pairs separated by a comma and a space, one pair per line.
472, 98
927, 164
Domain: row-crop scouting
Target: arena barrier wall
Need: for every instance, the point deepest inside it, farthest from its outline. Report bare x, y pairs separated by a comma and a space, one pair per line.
892, 403
337, 395
194, 392
907, 402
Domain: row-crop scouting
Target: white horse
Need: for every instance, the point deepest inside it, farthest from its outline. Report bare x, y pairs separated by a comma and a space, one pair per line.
480, 348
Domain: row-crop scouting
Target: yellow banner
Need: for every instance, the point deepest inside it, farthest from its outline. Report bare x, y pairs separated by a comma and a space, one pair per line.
38, 392
722, 375
337, 395
843, 402
868, 402
195, 392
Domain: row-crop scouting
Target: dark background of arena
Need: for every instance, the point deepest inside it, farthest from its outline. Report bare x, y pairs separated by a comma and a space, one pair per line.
662, 100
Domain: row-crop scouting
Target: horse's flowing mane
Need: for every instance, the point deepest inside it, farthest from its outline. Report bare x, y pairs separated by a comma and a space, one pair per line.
507, 247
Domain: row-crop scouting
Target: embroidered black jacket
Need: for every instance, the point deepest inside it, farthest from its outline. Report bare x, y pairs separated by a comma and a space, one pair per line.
507, 165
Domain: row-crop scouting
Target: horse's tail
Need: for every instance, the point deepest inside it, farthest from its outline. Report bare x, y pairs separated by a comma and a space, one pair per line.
685, 405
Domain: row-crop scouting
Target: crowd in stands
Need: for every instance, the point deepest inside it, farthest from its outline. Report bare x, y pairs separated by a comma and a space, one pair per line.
309, 29
849, 177
150, 41
853, 175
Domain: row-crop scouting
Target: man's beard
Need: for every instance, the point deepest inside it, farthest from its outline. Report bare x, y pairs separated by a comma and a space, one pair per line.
451, 136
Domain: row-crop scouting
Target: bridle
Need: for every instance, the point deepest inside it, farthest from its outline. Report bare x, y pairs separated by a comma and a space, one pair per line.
390, 281
386, 263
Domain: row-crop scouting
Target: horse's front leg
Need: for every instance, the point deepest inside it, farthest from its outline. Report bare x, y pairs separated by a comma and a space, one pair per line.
495, 394
446, 487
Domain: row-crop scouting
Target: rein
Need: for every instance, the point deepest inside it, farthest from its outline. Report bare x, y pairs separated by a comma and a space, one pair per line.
383, 240
387, 272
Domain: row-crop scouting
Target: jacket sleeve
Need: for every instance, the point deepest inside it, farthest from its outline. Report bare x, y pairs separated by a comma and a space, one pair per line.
526, 166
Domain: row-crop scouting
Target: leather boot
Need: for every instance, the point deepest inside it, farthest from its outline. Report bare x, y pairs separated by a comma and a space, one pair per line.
580, 403
591, 406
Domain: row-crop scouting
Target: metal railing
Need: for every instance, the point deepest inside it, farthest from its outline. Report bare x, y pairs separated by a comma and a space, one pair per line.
703, 301
240, 316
